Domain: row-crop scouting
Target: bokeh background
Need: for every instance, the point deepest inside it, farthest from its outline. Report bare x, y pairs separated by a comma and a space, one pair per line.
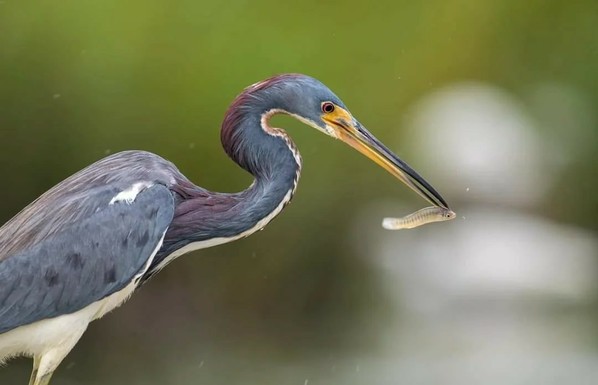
492, 101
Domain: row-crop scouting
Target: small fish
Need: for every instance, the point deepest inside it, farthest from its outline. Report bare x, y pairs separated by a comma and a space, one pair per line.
418, 218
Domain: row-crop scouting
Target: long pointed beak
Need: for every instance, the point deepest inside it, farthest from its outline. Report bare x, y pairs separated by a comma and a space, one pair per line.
355, 135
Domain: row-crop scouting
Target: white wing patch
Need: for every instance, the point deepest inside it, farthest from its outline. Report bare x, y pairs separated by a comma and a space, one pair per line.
129, 195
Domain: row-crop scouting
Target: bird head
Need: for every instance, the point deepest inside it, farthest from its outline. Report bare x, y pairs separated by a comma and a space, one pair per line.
311, 102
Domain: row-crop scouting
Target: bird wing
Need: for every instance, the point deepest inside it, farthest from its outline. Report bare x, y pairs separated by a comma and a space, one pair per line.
86, 261
80, 195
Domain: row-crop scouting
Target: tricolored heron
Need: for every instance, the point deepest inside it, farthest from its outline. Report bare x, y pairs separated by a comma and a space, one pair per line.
83, 247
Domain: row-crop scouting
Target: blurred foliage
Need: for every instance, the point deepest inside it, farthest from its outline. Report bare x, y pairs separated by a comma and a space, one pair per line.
82, 79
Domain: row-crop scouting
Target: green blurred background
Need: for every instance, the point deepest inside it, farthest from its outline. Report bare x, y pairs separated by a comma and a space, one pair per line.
312, 300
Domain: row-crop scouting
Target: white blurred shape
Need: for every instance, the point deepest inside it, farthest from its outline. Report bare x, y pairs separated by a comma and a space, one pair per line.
496, 254
476, 135
481, 148
499, 295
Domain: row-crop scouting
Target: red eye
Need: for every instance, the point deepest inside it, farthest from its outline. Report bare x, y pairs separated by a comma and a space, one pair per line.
327, 107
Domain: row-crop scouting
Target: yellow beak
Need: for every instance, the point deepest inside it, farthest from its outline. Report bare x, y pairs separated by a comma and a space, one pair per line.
355, 135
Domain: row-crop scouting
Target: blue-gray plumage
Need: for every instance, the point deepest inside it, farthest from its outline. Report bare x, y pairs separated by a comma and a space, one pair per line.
86, 261
83, 247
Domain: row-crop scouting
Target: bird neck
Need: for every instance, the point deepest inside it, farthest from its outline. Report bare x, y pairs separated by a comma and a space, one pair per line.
265, 152
271, 157
214, 218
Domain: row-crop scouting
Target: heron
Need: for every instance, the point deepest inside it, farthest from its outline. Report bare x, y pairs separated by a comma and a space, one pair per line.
84, 246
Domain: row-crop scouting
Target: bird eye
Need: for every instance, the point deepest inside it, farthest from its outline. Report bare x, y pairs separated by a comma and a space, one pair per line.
327, 107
